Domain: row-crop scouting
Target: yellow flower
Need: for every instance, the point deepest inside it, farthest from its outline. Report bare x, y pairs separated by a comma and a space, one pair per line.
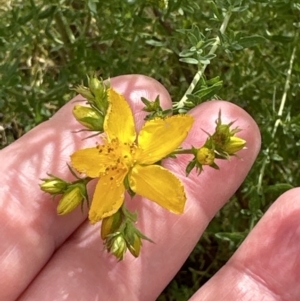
126, 156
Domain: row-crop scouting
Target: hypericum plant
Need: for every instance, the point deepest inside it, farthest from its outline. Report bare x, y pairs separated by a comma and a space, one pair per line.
124, 161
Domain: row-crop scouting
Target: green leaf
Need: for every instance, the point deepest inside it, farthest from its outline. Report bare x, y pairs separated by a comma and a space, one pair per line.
255, 203
207, 91
189, 60
276, 157
240, 9
280, 38
92, 5
186, 53
278, 188
155, 43
235, 237
251, 41
214, 81
46, 13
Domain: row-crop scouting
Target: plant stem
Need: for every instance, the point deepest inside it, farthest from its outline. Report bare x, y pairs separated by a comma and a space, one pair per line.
183, 151
278, 120
200, 72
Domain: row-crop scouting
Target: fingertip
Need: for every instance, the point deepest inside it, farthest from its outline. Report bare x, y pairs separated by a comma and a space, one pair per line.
210, 184
271, 252
267, 263
134, 86
206, 115
290, 196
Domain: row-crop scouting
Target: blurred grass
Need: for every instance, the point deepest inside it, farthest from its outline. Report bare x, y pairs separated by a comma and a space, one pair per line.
47, 47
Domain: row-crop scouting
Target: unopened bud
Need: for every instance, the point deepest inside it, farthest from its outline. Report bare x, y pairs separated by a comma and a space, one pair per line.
134, 244
221, 136
111, 224
88, 117
234, 145
53, 185
85, 92
205, 156
74, 195
99, 90
117, 245
95, 85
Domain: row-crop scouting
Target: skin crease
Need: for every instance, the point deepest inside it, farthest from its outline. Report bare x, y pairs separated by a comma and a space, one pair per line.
44, 256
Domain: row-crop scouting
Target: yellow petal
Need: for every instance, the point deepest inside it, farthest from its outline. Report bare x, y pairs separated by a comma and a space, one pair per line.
119, 122
159, 137
90, 161
158, 185
108, 196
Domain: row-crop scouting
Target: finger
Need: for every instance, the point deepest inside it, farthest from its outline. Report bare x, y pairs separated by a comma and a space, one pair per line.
95, 273
30, 229
267, 264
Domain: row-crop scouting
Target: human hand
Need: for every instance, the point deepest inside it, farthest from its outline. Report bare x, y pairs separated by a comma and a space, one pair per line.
44, 256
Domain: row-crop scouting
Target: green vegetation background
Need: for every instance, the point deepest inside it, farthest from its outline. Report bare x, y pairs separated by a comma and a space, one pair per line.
48, 47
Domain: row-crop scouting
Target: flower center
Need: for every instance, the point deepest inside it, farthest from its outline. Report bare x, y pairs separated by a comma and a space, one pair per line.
127, 152
118, 153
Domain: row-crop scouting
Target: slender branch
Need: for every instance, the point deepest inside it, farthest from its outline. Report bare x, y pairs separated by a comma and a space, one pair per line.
200, 72
278, 120
286, 88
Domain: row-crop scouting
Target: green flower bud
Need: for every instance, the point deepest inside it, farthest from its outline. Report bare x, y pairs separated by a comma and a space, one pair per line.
134, 244
133, 239
53, 185
99, 90
234, 145
151, 106
205, 156
111, 224
74, 195
116, 244
96, 85
221, 135
88, 117
85, 92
